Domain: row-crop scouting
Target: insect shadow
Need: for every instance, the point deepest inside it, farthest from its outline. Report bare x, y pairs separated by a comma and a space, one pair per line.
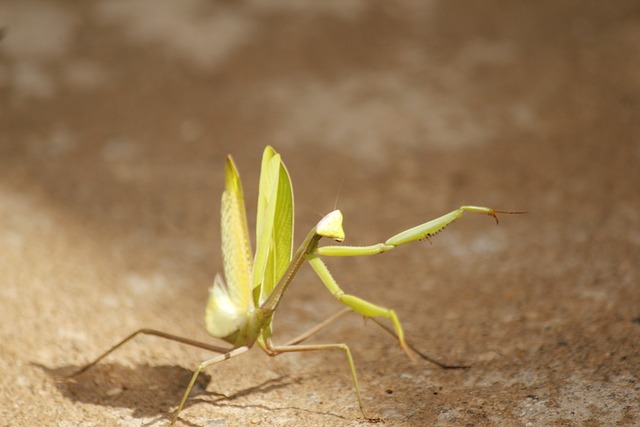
149, 391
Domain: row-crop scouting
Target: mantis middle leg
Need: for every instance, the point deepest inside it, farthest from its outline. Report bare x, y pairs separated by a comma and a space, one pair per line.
274, 350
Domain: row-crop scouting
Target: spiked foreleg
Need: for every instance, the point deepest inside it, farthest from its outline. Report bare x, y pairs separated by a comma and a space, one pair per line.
422, 231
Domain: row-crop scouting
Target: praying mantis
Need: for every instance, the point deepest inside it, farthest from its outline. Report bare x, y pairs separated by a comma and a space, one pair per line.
240, 310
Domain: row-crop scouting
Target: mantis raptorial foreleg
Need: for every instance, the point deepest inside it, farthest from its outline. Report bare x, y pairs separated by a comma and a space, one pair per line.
422, 231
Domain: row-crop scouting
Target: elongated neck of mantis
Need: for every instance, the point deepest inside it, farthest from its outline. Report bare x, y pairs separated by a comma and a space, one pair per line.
309, 244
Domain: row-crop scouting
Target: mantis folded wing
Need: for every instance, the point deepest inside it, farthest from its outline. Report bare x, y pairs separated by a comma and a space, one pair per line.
240, 311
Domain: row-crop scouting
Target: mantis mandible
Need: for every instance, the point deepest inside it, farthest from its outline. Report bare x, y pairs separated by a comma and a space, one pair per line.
240, 311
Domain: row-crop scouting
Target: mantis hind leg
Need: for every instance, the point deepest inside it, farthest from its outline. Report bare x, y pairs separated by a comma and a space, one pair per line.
226, 354
153, 332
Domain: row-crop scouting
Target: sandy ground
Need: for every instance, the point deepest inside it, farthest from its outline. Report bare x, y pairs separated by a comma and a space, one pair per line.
115, 120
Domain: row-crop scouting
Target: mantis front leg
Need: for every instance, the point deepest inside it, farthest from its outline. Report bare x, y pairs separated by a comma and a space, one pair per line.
422, 231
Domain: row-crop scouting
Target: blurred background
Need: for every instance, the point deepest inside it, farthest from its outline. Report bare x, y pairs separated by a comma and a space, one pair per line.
115, 121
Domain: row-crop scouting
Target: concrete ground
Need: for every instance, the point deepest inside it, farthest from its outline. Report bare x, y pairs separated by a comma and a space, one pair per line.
115, 120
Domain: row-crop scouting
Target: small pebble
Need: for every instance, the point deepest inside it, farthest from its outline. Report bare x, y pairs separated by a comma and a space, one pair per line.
114, 391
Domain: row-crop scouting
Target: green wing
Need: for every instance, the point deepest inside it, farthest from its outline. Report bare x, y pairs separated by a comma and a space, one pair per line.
229, 303
274, 225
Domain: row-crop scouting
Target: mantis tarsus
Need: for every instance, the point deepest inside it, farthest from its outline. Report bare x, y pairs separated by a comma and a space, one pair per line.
241, 310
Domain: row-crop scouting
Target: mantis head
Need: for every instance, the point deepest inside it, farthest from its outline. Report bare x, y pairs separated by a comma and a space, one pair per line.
331, 226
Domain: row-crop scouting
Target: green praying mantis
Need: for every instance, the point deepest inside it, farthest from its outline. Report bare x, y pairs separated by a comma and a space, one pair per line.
240, 310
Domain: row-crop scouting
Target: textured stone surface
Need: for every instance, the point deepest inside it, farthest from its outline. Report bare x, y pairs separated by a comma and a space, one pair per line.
116, 117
